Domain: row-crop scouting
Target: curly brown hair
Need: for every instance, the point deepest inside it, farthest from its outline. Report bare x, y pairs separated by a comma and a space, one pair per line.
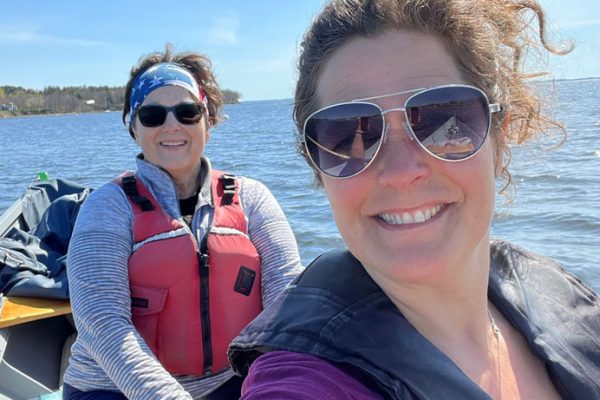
197, 64
489, 41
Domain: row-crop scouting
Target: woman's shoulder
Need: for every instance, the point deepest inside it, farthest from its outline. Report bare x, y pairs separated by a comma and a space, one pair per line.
286, 374
508, 258
104, 206
252, 185
109, 194
540, 287
255, 195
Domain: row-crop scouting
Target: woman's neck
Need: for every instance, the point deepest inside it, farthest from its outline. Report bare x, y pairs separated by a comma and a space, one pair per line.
187, 184
450, 307
452, 313
445, 314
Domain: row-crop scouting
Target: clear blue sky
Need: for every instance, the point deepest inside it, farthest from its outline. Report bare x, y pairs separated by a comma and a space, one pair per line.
253, 44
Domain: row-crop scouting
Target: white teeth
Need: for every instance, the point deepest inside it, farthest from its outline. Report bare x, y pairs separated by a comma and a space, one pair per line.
415, 217
419, 217
178, 143
427, 215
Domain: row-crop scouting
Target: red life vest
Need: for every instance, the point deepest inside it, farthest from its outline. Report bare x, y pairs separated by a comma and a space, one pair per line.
188, 301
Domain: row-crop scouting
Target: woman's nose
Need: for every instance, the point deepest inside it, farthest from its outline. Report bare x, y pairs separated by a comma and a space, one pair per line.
171, 122
401, 159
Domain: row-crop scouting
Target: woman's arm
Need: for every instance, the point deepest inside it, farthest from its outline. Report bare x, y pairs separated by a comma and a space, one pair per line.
272, 236
99, 283
295, 376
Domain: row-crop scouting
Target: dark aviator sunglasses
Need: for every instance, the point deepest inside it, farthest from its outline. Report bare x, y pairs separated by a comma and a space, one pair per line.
450, 122
154, 115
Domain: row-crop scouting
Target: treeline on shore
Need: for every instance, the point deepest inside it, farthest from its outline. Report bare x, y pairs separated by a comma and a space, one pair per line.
74, 99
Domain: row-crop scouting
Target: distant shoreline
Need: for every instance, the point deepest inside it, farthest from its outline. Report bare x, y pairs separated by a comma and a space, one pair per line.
9, 114
16, 114
591, 78
16, 101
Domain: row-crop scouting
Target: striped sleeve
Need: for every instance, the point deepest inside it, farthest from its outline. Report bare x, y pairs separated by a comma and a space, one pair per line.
98, 279
272, 236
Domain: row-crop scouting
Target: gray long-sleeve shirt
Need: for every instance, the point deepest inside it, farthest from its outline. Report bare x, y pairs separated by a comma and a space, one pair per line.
109, 354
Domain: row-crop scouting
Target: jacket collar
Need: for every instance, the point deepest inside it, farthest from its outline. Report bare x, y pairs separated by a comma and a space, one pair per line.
161, 185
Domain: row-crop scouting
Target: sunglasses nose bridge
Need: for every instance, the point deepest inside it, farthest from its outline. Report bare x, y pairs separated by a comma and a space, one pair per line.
170, 117
389, 110
387, 127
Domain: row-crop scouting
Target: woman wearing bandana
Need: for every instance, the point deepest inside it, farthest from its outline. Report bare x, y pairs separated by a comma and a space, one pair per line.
169, 262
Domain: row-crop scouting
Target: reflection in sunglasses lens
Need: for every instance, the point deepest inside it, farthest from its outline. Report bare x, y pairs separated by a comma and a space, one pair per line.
450, 122
342, 140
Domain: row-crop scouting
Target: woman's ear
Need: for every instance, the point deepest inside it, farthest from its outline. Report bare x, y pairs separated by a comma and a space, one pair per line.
132, 131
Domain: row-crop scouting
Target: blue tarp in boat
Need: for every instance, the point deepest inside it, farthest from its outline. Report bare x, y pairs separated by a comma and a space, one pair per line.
33, 255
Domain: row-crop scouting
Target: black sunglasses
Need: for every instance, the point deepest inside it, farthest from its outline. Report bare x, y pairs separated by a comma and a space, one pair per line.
450, 122
155, 115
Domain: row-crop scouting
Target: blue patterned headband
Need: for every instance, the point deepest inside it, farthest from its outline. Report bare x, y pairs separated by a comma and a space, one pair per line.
159, 75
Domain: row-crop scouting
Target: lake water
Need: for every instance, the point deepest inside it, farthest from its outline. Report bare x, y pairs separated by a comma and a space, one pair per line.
556, 209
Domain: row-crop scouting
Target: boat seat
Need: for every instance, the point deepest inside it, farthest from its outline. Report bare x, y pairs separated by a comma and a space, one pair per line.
32, 364
19, 310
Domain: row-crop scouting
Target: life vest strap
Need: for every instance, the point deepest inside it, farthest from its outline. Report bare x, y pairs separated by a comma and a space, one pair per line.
128, 183
228, 189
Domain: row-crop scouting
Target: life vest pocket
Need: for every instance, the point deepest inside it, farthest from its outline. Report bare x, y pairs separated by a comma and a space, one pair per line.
146, 305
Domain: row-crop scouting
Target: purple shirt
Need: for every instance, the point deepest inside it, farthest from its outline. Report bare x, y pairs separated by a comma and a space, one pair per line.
295, 376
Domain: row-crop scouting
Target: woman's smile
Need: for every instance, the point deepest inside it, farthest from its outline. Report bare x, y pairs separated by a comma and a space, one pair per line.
413, 217
173, 143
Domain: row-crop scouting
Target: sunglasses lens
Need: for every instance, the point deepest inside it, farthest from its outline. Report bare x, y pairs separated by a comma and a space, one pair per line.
343, 139
449, 122
152, 116
155, 115
188, 113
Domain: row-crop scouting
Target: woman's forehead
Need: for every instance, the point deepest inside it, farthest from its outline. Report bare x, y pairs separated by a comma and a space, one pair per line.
168, 94
391, 62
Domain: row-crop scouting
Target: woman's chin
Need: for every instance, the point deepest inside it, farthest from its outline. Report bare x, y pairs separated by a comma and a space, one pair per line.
407, 266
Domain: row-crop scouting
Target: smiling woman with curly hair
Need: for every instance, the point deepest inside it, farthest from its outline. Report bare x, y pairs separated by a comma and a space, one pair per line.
405, 111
